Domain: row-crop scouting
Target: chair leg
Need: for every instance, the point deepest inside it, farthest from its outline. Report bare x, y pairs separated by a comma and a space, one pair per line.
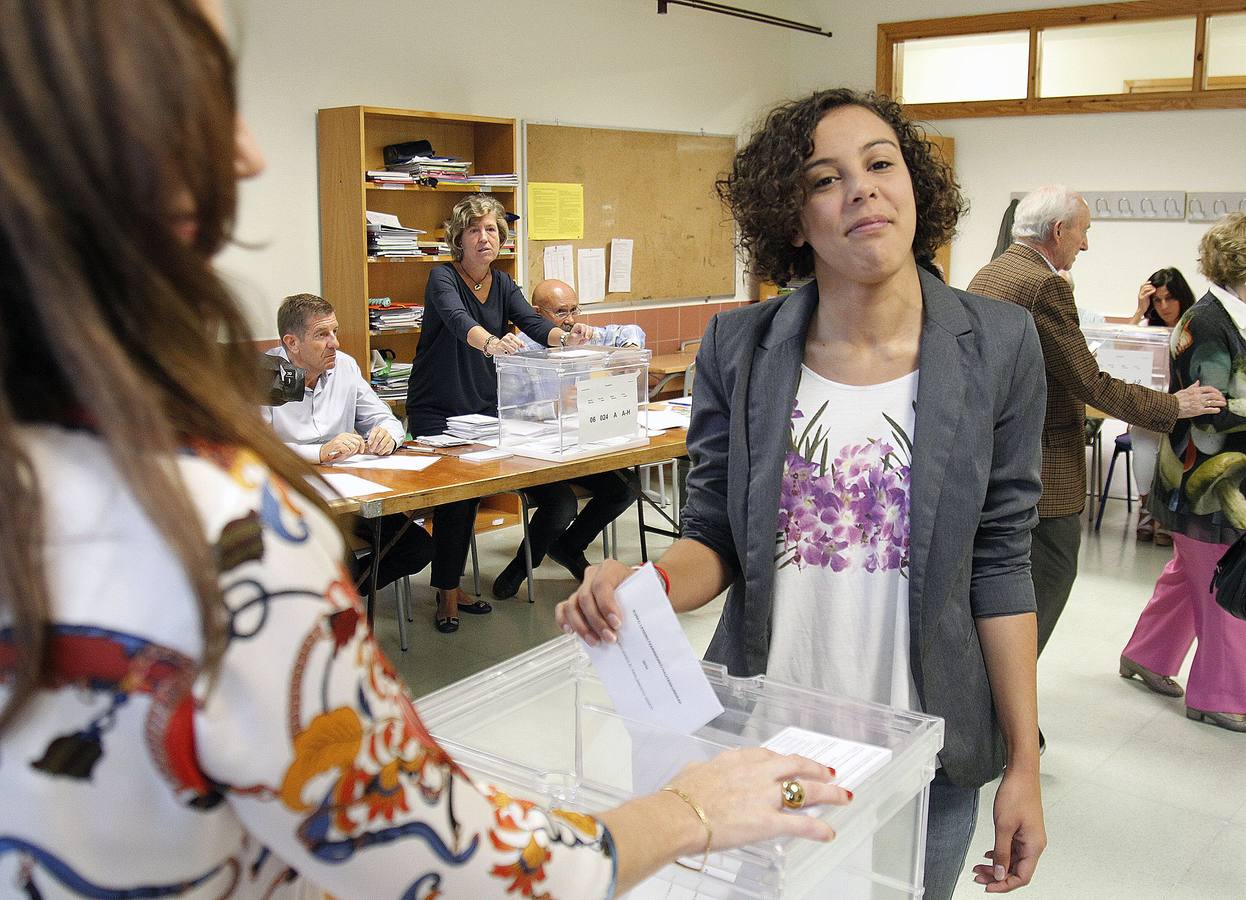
400, 596
1103, 498
640, 521
475, 563
527, 545
1129, 496
405, 598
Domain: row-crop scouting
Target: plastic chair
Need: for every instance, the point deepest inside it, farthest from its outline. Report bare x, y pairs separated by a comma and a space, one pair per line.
1125, 445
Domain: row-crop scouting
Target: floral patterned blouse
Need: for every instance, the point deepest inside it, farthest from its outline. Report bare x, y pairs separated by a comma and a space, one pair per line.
301, 766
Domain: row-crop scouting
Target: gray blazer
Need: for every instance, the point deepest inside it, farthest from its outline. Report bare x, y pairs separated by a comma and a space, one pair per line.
975, 474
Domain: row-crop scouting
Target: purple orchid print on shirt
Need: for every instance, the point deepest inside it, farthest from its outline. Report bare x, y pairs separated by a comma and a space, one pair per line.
849, 511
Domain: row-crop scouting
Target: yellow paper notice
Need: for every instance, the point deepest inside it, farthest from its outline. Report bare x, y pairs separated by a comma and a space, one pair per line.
555, 211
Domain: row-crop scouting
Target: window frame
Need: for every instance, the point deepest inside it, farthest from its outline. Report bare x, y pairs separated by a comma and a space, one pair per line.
892, 34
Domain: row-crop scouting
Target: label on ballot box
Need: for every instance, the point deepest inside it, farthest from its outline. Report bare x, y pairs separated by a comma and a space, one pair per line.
607, 407
1130, 366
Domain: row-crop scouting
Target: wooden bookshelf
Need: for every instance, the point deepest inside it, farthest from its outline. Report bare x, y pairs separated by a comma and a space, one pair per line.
349, 143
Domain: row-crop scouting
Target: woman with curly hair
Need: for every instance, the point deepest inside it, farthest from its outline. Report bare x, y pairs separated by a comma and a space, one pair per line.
865, 467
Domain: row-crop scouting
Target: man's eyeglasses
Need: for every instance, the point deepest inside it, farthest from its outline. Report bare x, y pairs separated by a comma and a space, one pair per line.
566, 313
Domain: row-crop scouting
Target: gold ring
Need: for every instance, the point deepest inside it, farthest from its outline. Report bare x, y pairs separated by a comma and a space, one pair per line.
793, 794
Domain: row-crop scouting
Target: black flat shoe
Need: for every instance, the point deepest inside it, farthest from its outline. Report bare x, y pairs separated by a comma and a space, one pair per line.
506, 585
446, 624
478, 608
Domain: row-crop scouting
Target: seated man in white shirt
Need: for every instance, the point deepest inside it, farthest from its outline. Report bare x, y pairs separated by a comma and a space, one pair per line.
341, 416
555, 529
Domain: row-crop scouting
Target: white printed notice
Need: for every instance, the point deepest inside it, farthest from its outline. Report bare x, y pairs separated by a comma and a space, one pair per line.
592, 264
607, 407
651, 673
620, 266
1130, 366
558, 264
852, 761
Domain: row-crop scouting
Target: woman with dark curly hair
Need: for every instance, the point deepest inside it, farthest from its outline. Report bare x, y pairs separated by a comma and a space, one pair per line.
866, 467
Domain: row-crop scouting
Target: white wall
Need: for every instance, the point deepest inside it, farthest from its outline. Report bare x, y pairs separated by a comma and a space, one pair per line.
1181, 150
616, 62
602, 62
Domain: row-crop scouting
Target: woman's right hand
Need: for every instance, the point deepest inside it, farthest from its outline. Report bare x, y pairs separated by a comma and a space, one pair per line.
1145, 293
741, 793
506, 345
592, 612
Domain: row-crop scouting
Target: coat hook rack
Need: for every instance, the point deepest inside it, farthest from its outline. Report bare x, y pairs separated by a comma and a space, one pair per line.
738, 13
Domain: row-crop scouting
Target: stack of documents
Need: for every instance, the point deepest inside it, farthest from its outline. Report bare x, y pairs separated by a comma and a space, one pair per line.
390, 382
434, 248
387, 237
509, 179
442, 168
395, 317
473, 428
385, 178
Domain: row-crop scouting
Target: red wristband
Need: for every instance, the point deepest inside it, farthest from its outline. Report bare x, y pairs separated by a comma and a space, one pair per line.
666, 579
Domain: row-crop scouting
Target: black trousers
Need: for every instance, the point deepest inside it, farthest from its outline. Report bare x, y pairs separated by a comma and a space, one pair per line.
411, 550
613, 493
452, 538
1053, 566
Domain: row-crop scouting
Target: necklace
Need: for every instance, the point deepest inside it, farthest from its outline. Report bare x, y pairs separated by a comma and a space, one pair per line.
476, 284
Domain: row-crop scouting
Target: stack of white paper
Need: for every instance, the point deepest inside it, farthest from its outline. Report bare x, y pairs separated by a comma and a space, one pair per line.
472, 427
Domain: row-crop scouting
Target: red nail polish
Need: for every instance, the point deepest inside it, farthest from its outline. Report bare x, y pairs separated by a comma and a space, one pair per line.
832, 771
849, 793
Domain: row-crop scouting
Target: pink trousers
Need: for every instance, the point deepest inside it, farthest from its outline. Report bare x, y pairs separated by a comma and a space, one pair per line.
1182, 609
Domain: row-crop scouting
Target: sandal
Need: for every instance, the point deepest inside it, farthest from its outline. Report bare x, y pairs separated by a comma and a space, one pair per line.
1162, 538
446, 624
478, 608
1146, 526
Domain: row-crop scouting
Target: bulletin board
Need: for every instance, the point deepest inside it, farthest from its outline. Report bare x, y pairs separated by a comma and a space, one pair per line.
654, 187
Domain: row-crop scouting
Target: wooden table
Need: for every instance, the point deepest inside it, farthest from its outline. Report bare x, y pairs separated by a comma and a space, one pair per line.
451, 479
668, 367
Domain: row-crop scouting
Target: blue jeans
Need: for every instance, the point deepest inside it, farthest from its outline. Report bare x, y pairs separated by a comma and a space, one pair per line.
949, 828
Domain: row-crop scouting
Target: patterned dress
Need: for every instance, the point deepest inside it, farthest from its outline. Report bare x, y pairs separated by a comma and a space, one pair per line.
302, 764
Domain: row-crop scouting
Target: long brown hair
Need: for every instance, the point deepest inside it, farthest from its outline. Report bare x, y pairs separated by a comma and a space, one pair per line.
108, 317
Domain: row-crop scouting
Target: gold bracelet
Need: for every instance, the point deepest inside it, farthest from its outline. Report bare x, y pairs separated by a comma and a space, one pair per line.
709, 832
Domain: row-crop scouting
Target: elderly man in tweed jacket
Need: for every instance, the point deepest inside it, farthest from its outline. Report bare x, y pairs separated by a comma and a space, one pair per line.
1049, 230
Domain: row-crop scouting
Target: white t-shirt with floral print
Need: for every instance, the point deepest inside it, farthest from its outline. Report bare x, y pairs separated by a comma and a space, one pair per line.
841, 592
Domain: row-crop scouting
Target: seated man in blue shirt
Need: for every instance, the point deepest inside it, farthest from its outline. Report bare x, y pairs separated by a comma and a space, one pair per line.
341, 416
555, 530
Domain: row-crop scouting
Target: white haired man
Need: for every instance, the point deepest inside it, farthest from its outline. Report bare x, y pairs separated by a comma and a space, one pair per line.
1049, 230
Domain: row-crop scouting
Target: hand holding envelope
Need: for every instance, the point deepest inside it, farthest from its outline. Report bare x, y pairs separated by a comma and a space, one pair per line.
651, 672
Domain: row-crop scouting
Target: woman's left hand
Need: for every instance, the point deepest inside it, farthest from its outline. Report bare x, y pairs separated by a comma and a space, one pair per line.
1020, 837
579, 334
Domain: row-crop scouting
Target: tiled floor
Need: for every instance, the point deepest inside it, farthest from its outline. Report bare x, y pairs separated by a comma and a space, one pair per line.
1141, 803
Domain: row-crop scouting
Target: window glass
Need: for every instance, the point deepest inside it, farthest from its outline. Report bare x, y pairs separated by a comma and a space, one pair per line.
967, 67
1116, 58
1226, 52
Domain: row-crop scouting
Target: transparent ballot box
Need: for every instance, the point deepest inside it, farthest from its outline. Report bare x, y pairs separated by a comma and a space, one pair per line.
1137, 354
541, 726
565, 404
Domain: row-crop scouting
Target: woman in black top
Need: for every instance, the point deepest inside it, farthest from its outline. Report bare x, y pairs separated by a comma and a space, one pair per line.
468, 310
